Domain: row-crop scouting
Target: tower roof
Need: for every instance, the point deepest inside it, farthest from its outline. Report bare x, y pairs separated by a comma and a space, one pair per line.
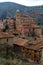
17, 10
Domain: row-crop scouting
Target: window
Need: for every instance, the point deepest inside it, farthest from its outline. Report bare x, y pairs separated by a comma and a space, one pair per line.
7, 40
30, 44
35, 51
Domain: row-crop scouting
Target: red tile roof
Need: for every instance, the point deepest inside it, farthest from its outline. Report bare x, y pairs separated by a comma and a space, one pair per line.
30, 44
5, 35
19, 41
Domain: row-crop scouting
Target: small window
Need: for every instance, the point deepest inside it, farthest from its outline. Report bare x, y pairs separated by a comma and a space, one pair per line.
35, 51
30, 44
7, 40
35, 38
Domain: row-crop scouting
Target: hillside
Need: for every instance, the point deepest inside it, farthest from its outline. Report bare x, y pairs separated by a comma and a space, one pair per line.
8, 9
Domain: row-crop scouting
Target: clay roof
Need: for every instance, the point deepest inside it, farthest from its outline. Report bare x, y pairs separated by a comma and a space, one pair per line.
13, 32
30, 44
35, 44
37, 41
5, 35
35, 47
20, 41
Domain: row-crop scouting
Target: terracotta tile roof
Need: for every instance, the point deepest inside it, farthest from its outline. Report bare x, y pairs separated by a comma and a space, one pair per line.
13, 32
20, 41
34, 44
36, 47
5, 35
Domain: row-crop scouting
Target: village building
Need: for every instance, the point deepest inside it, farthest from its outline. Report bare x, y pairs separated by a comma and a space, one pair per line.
31, 49
6, 38
1, 26
24, 24
27, 26
11, 24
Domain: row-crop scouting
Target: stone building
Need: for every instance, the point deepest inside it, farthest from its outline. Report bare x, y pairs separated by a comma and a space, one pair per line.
23, 22
27, 26
1, 25
6, 38
30, 49
11, 24
38, 30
